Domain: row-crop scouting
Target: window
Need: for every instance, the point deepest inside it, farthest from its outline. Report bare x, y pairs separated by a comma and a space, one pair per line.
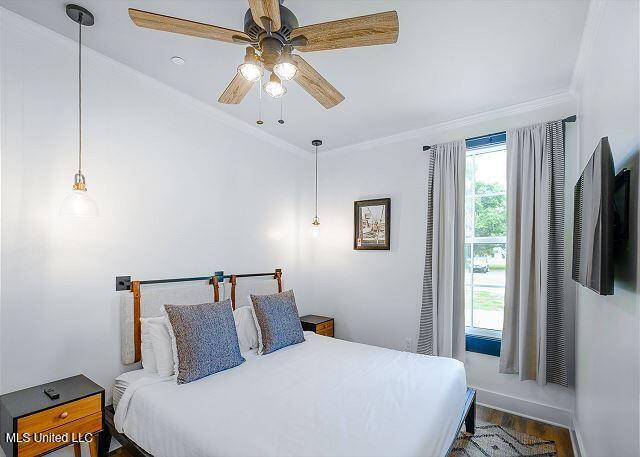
485, 236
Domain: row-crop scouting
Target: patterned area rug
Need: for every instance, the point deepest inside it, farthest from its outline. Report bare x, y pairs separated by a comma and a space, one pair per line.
492, 440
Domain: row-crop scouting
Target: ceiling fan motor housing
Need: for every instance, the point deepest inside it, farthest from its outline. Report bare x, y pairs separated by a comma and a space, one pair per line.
270, 48
288, 21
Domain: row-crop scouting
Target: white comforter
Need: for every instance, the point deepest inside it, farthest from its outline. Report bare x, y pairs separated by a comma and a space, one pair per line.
323, 397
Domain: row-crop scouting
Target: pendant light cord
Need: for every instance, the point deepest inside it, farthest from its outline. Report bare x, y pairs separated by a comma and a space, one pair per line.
80, 94
316, 212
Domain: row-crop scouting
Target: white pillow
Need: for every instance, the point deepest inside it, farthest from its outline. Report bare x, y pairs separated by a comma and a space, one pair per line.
259, 347
246, 328
148, 356
174, 344
162, 347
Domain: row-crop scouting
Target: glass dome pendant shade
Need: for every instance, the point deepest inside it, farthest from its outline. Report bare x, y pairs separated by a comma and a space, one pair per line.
78, 203
251, 69
315, 227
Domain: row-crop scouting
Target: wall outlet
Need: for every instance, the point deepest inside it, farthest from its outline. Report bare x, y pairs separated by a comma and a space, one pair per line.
408, 344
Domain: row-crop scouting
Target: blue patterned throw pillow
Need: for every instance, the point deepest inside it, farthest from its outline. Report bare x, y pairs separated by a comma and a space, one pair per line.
206, 341
278, 319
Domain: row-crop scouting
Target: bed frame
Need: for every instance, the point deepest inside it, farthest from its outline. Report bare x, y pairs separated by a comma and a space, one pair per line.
467, 416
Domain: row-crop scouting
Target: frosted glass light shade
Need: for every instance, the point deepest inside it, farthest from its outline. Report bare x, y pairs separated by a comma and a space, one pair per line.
251, 71
251, 68
79, 204
285, 70
275, 89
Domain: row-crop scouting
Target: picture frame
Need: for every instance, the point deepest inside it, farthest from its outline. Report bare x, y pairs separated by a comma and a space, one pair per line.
372, 225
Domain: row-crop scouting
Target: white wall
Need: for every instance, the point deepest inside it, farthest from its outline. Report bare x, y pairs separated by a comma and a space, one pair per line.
182, 191
176, 183
608, 328
375, 296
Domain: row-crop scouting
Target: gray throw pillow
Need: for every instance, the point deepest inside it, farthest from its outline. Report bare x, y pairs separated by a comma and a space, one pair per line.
278, 319
206, 341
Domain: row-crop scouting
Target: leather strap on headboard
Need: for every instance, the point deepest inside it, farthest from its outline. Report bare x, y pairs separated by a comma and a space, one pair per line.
216, 288
233, 281
279, 279
137, 325
137, 330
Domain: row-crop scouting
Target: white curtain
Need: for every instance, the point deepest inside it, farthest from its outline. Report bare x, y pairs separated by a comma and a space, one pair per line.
533, 342
442, 314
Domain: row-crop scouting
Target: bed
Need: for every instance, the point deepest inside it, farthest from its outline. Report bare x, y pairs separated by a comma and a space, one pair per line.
322, 397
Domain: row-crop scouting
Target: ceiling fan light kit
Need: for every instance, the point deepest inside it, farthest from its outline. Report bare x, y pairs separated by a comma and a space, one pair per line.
251, 69
274, 87
272, 32
285, 68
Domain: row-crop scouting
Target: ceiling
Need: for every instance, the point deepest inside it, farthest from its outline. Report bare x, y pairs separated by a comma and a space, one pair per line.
453, 58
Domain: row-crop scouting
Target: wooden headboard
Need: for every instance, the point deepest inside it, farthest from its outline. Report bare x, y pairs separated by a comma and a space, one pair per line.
217, 293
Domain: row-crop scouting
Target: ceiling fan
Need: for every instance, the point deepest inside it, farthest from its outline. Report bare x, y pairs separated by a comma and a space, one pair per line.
271, 32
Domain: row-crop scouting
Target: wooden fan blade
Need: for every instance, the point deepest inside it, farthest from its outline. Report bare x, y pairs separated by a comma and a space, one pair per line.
266, 8
374, 29
236, 90
313, 82
185, 27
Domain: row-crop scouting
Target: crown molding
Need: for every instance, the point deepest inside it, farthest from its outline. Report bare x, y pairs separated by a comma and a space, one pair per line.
465, 121
589, 35
33, 28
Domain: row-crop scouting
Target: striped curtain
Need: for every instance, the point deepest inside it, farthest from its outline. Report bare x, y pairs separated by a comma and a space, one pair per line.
533, 335
557, 370
442, 314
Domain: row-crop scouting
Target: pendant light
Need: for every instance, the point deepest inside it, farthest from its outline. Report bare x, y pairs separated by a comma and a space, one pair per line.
78, 203
315, 229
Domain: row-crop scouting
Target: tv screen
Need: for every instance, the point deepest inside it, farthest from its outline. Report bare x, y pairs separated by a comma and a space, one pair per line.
593, 231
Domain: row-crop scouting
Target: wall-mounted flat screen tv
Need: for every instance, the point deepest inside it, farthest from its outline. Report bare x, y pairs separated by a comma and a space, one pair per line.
593, 224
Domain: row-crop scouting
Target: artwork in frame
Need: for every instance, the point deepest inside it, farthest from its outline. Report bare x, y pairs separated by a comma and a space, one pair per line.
372, 224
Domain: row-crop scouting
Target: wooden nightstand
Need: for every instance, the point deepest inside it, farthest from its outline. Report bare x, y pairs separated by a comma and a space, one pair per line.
42, 424
318, 324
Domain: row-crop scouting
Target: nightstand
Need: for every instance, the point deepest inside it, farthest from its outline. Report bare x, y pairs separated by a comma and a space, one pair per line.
39, 424
318, 324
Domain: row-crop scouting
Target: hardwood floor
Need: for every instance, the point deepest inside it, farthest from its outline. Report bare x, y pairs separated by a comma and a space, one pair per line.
518, 423
530, 427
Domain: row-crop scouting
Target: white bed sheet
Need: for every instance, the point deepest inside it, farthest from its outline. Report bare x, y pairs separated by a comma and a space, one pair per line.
323, 397
123, 381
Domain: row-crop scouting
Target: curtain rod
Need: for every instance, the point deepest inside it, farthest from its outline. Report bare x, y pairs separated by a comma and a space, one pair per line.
565, 120
124, 282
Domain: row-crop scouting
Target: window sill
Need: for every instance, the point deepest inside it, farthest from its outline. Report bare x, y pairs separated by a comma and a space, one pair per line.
483, 341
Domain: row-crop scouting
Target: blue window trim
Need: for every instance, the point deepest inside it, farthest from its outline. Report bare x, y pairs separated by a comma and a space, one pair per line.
486, 140
483, 344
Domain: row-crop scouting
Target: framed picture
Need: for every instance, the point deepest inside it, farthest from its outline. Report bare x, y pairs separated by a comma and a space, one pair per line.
372, 224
